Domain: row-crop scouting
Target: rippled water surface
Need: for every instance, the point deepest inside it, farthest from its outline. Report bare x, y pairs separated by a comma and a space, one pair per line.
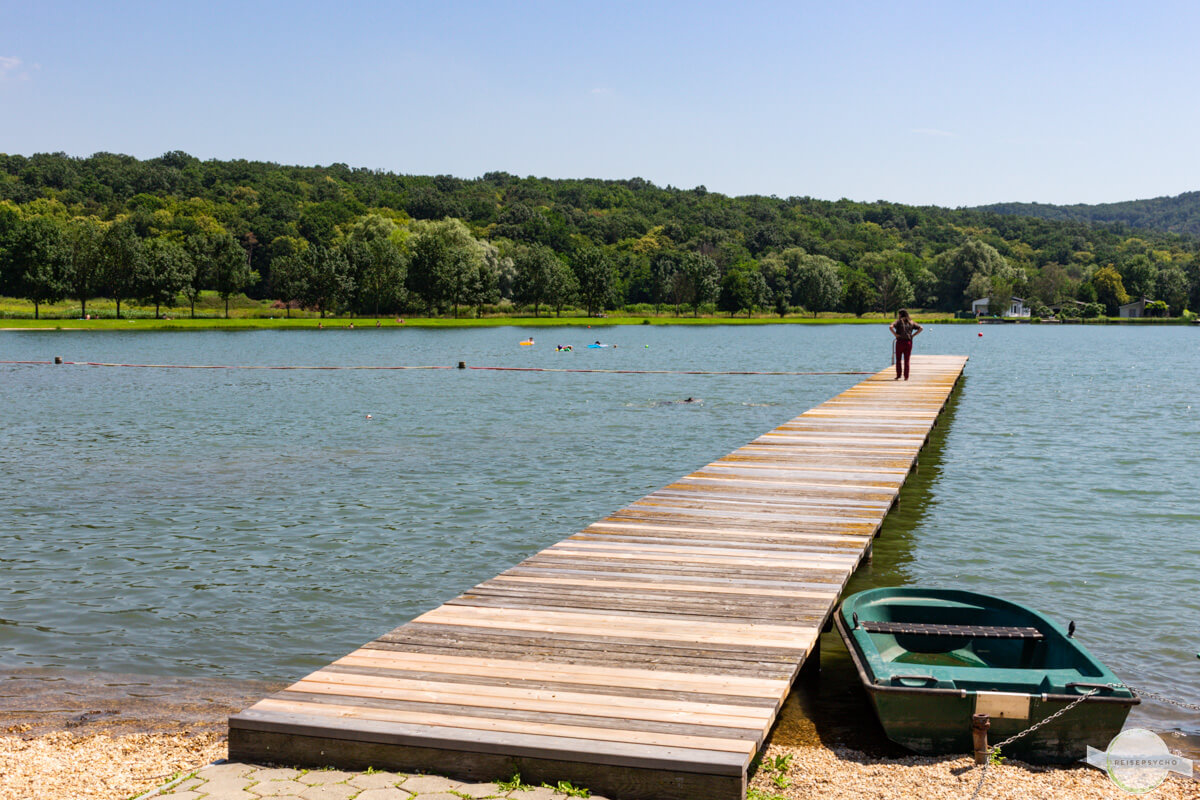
256, 524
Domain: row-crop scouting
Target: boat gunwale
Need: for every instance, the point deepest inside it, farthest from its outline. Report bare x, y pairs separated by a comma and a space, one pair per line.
871, 686
866, 671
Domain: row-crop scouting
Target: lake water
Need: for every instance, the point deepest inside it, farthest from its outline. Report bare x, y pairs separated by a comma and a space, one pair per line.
254, 525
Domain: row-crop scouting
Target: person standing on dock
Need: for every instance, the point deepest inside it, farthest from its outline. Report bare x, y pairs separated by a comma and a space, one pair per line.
905, 330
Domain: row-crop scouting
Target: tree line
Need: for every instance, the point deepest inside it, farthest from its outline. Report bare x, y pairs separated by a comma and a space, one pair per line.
1178, 214
335, 239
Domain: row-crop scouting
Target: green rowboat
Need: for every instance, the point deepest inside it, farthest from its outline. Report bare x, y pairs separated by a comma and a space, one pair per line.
931, 658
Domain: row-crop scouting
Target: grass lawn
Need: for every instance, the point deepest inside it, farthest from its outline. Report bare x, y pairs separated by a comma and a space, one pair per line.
245, 313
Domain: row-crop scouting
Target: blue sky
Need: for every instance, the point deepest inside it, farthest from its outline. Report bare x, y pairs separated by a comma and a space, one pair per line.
946, 103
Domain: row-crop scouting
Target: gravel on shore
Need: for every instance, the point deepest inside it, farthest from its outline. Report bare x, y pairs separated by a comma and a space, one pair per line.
101, 766
844, 773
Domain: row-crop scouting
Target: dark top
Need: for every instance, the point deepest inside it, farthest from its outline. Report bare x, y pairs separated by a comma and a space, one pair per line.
904, 328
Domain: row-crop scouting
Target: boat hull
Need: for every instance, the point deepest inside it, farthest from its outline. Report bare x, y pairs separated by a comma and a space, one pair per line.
941, 725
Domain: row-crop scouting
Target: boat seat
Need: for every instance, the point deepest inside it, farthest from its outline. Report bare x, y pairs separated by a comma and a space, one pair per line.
933, 629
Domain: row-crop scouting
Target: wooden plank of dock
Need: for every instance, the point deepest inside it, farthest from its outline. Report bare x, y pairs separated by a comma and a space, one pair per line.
645, 657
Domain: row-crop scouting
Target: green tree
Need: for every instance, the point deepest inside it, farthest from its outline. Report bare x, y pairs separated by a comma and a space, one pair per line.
815, 283
858, 293
10, 220
594, 274
200, 247
776, 273
230, 266
502, 266
1191, 268
1173, 289
896, 275
164, 270
36, 262
427, 266
289, 278
535, 267
1157, 308
703, 280
121, 256
82, 238
1139, 275
328, 284
744, 289
959, 266
1110, 291
1053, 284
668, 283
483, 287
444, 261
377, 263
895, 291
563, 287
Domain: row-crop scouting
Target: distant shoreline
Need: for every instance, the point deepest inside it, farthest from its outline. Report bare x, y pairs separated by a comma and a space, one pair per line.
370, 323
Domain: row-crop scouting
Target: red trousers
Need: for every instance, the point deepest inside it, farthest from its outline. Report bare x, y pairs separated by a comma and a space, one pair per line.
903, 356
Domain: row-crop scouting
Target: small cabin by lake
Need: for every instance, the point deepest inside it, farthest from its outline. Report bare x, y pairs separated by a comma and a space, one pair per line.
1016, 308
1135, 309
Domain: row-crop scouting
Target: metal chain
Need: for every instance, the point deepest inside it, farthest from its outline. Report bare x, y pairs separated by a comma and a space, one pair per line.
1156, 696
1048, 719
1065, 709
982, 775
994, 749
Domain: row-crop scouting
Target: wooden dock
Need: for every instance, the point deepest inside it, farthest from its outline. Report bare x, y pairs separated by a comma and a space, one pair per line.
647, 656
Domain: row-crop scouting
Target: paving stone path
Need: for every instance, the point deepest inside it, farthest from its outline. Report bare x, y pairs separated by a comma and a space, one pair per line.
233, 781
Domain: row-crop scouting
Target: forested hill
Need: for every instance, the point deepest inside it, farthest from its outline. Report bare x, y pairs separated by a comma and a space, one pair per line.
1179, 214
338, 238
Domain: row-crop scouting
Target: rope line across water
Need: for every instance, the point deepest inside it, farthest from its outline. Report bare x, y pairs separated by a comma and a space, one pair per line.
494, 369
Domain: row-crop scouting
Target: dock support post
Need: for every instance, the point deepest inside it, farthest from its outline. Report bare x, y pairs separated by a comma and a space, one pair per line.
979, 729
811, 669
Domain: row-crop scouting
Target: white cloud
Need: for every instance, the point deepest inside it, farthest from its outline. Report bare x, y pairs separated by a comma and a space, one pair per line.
603, 91
932, 132
10, 68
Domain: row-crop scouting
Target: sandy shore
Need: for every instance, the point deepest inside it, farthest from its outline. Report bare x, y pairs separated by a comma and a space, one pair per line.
75, 734
100, 766
113, 737
842, 773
